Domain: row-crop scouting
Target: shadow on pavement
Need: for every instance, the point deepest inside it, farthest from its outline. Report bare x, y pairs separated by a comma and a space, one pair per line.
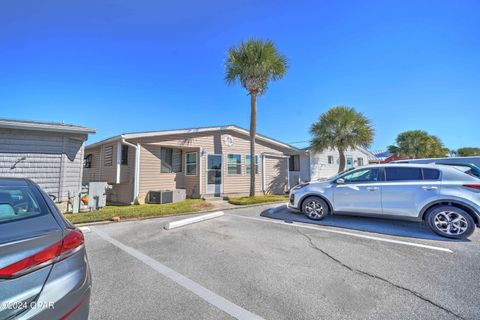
374, 225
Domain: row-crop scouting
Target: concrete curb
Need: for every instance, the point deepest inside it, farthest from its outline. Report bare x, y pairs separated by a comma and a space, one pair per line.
187, 221
94, 223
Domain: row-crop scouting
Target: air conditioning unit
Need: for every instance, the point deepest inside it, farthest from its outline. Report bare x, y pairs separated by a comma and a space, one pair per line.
160, 197
166, 196
154, 197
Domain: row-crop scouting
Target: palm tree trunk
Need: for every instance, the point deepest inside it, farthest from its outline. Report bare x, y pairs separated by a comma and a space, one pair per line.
253, 132
341, 167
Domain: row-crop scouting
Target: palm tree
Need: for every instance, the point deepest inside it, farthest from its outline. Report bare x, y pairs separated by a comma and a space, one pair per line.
416, 144
341, 128
254, 64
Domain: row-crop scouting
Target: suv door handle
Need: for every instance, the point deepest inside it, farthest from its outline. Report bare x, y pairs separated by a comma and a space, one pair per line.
372, 188
429, 188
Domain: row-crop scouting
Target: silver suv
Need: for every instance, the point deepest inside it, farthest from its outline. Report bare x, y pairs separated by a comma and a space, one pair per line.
447, 198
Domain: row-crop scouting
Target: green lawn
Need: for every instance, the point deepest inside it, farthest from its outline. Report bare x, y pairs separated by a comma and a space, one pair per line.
139, 211
256, 199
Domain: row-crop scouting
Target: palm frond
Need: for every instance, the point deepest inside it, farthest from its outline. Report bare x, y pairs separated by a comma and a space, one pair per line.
254, 64
341, 127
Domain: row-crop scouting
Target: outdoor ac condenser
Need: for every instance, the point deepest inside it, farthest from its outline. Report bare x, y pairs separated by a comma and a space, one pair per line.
166, 196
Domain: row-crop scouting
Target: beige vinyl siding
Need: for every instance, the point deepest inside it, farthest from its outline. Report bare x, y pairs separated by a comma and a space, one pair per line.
123, 192
276, 176
92, 173
151, 177
98, 171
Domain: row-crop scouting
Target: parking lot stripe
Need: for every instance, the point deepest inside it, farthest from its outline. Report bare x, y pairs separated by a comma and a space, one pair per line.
305, 226
207, 295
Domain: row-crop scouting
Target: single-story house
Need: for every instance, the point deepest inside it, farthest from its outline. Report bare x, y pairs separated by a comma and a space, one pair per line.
50, 154
309, 165
211, 161
384, 157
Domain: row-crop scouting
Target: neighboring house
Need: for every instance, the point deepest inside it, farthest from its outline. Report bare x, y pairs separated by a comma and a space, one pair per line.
50, 154
309, 165
212, 161
384, 157
379, 156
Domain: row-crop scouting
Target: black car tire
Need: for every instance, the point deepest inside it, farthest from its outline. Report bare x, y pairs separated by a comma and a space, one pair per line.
437, 220
315, 208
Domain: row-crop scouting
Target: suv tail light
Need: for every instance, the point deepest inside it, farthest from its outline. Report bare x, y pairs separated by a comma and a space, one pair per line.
60, 250
473, 186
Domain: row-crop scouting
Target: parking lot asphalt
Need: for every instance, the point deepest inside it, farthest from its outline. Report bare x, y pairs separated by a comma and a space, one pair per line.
269, 263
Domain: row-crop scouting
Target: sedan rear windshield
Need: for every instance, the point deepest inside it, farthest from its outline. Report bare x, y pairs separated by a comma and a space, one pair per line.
20, 202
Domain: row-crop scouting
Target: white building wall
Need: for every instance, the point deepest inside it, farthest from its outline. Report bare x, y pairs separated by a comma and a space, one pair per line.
321, 169
303, 175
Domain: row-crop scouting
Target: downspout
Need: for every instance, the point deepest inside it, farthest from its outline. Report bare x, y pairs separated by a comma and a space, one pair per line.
200, 171
119, 160
136, 177
263, 172
288, 172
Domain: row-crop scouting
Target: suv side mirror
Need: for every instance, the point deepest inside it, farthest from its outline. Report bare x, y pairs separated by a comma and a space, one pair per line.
340, 181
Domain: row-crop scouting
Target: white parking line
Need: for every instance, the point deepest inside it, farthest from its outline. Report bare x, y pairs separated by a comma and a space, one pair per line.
207, 295
186, 222
306, 226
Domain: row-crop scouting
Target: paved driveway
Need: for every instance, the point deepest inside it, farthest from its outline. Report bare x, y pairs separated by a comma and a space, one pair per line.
266, 262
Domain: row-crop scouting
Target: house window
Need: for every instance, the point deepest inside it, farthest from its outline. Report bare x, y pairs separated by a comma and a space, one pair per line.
247, 164
170, 160
108, 156
191, 163
330, 159
234, 164
87, 161
360, 162
294, 163
124, 160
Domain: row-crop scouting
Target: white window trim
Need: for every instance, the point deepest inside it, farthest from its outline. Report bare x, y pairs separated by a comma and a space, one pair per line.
328, 160
222, 170
258, 164
196, 164
226, 158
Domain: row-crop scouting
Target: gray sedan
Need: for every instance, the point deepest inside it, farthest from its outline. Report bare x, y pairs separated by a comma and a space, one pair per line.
44, 272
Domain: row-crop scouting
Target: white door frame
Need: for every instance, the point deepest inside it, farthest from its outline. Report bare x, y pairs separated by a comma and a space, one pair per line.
207, 189
346, 161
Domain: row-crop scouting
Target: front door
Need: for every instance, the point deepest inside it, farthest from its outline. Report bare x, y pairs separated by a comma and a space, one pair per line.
214, 174
349, 162
360, 192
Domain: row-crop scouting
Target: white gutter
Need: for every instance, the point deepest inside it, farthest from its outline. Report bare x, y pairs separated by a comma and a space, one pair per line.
136, 177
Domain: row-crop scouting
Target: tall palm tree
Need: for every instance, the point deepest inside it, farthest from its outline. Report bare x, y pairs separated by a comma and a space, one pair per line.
341, 128
254, 64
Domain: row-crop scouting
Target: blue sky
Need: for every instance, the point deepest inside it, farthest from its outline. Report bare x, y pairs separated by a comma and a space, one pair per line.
123, 66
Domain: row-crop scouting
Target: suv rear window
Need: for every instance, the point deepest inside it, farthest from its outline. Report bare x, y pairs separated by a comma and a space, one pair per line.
431, 174
403, 174
20, 202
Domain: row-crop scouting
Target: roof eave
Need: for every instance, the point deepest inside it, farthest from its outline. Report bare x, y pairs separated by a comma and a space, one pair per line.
46, 128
